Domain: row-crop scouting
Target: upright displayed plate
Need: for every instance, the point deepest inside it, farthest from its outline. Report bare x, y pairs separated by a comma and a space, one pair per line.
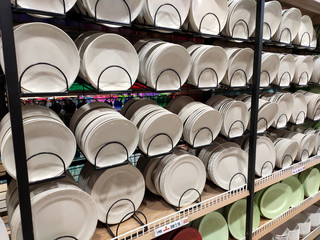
300, 109
214, 226
44, 43
102, 54
236, 218
272, 18
310, 180
276, 200
297, 190
208, 17
111, 185
286, 70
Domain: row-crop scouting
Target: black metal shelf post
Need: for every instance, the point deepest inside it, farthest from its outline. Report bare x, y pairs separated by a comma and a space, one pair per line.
11, 76
254, 115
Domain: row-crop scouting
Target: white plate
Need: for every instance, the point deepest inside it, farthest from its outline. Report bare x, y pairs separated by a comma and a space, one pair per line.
286, 152
304, 69
163, 123
290, 23
119, 131
316, 71
269, 68
265, 156
306, 145
167, 16
285, 103
236, 119
299, 112
115, 11
148, 174
66, 205
272, 18
201, 16
111, 185
286, 71
185, 172
243, 60
111, 50
168, 56
46, 5
246, 11
305, 33
209, 58
229, 169
44, 43
41, 135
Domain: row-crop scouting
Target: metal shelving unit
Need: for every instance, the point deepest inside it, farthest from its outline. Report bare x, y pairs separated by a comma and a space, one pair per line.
213, 198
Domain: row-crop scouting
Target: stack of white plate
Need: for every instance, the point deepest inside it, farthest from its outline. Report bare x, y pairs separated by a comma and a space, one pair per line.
46, 6
305, 33
316, 70
310, 131
159, 129
208, 17
177, 175
51, 51
240, 67
270, 64
286, 70
299, 112
314, 40
285, 103
265, 155
241, 19
313, 101
289, 26
234, 113
201, 123
164, 13
272, 19
59, 208
111, 188
209, 65
108, 61
163, 66
267, 112
286, 151
123, 12
226, 164
91, 122
306, 143
44, 133
304, 70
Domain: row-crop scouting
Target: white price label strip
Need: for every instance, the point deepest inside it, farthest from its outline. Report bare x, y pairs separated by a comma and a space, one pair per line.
298, 170
171, 226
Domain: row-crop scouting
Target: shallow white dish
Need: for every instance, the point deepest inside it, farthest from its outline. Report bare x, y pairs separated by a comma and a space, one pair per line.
46, 44
102, 55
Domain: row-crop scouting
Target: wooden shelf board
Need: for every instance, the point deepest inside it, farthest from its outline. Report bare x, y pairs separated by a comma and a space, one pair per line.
156, 208
283, 218
279, 175
306, 6
313, 234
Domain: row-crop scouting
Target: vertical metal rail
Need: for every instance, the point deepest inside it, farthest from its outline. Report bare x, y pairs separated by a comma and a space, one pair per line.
254, 115
11, 75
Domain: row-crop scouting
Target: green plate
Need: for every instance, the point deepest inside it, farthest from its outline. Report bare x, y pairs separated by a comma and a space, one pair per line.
237, 218
214, 226
297, 190
310, 180
276, 200
258, 196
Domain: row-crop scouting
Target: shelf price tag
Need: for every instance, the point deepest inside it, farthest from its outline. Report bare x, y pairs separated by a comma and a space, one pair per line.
171, 226
298, 170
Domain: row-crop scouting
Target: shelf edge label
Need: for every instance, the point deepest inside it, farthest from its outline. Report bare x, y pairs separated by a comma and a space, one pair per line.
298, 170
171, 226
